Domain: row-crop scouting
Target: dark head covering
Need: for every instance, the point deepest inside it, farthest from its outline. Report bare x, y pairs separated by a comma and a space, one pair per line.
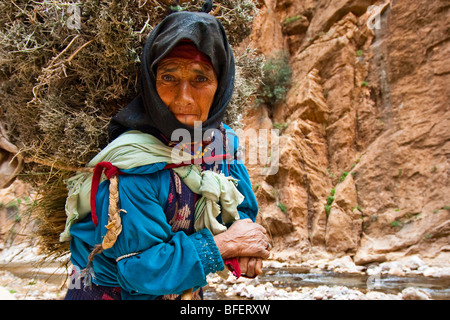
147, 111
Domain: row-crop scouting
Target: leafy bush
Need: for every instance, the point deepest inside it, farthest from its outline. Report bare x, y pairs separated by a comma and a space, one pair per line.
276, 81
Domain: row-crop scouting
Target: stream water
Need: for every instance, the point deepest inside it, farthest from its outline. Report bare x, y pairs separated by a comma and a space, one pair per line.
281, 278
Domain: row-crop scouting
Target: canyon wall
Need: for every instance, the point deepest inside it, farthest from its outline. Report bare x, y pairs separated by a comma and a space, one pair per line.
364, 142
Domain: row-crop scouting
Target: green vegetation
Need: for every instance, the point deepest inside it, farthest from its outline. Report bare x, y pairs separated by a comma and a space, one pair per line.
287, 21
276, 81
280, 126
330, 200
282, 207
396, 224
343, 176
327, 209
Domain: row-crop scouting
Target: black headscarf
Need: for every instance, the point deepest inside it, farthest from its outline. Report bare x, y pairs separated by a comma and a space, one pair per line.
147, 111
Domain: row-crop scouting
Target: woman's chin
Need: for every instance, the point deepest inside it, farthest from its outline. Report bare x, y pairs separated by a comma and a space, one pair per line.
189, 119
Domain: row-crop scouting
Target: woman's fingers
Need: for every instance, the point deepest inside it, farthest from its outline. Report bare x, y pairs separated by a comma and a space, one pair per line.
250, 266
258, 268
257, 243
243, 264
244, 238
256, 246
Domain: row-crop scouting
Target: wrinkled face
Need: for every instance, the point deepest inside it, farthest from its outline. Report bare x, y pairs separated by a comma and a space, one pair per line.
187, 88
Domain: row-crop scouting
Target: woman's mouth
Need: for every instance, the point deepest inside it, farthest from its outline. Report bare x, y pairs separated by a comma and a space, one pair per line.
187, 118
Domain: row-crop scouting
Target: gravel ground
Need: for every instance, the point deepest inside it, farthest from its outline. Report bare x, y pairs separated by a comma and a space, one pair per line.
13, 287
24, 277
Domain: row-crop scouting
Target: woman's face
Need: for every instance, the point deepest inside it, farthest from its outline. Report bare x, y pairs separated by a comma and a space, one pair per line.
187, 88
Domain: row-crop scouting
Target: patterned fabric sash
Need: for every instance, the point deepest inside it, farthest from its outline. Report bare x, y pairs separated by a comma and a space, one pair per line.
180, 211
180, 205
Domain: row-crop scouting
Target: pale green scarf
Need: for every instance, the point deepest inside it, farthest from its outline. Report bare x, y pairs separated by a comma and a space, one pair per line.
134, 149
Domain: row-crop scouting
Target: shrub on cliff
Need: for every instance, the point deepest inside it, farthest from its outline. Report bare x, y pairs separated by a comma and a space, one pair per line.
276, 80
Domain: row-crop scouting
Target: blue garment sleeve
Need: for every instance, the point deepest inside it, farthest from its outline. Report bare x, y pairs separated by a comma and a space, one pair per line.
167, 262
236, 168
249, 207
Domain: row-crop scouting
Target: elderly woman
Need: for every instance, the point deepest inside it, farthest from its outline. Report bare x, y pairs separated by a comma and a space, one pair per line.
177, 219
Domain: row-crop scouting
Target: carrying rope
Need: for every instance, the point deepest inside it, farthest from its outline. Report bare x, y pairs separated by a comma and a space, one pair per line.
114, 226
110, 172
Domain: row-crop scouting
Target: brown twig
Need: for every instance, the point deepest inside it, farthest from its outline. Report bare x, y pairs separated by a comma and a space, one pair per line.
54, 165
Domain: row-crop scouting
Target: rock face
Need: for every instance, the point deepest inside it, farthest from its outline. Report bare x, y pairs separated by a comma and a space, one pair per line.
365, 146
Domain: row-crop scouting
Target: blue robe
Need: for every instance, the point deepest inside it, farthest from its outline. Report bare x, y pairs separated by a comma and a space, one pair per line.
168, 262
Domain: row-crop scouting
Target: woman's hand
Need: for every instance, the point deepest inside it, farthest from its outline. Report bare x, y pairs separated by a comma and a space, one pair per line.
250, 266
243, 239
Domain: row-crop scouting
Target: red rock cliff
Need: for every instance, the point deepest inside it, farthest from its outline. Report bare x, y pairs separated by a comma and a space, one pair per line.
367, 129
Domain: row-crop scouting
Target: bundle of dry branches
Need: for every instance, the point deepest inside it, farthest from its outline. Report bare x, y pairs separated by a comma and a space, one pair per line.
66, 68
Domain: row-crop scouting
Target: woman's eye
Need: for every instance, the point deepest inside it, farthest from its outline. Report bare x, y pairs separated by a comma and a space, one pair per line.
201, 79
167, 77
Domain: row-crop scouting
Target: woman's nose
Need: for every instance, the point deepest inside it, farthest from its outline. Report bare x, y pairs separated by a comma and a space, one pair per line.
184, 95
